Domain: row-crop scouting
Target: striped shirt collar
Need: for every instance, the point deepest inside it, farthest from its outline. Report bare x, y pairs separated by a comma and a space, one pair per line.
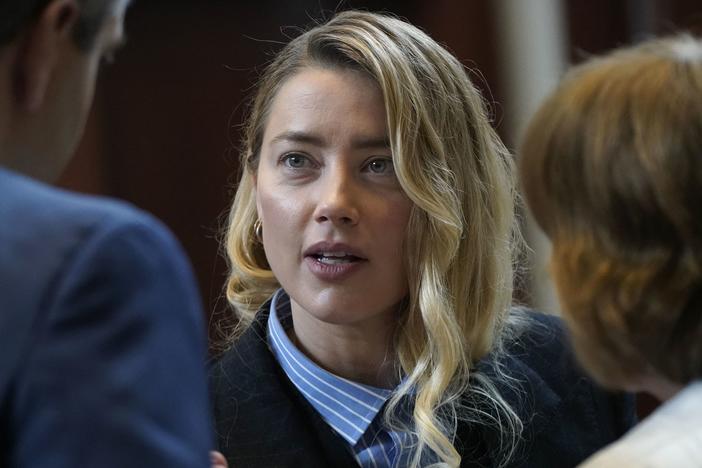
348, 407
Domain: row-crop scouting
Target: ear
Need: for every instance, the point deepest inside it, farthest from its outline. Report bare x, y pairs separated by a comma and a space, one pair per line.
40, 51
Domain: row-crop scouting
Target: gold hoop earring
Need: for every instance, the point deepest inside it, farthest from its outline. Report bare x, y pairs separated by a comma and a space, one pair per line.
258, 230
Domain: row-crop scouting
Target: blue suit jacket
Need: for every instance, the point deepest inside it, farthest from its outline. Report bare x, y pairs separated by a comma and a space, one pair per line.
261, 419
101, 335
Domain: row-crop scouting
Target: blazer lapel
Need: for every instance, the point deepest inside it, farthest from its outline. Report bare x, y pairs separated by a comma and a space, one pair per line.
261, 420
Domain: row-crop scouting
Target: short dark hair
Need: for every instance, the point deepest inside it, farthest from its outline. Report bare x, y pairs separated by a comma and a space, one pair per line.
15, 15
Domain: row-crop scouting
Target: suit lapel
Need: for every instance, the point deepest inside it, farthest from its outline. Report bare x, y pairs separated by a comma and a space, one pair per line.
260, 418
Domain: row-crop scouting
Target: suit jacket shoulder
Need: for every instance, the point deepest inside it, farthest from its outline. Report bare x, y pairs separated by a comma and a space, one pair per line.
99, 315
44, 228
566, 416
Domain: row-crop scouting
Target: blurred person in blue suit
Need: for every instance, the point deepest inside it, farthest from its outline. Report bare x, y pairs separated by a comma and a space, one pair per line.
103, 343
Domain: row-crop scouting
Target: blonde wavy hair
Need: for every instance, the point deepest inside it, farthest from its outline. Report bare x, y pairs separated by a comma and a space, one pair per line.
612, 169
462, 232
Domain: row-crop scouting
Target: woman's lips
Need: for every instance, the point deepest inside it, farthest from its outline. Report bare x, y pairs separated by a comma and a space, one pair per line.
333, 261
333, 268
333, 249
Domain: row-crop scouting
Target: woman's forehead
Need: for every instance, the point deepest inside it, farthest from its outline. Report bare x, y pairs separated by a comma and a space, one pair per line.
320, 104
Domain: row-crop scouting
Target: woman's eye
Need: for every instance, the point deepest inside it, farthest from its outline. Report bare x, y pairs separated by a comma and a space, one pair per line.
380, 166
295, 160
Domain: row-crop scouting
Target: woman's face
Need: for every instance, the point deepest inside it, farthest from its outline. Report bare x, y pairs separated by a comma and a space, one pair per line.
334, 215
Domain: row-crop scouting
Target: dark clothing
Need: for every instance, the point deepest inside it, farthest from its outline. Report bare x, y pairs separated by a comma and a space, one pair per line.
102, 337
263, 421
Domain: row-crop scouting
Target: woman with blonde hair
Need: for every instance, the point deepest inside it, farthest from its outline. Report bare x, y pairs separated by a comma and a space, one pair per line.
371, 245
612, 169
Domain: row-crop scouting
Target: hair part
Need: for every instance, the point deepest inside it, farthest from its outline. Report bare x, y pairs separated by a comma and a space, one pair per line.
612, 168
462, 231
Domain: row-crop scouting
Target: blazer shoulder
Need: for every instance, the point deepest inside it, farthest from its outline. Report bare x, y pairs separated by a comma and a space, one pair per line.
566, 415
539, 342
75, 266
56, 245
538, 354
48, 228
32, 206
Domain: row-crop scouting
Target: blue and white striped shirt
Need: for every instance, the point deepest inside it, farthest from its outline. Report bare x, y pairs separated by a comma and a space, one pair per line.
351, 409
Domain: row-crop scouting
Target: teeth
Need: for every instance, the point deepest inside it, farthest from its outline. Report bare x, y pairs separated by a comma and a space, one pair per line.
334, 254
333, 260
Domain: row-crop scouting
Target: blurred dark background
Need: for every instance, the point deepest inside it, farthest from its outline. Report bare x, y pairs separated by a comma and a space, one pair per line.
164, 129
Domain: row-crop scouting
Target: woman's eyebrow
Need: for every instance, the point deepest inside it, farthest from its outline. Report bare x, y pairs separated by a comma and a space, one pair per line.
299, 137
371, 142
310, 138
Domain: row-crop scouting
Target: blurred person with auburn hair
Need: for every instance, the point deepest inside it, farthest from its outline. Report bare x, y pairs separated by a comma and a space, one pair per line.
371, 244
103, 343
611, 165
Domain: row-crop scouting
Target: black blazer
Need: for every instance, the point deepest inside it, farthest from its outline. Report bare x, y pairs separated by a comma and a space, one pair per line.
263, 421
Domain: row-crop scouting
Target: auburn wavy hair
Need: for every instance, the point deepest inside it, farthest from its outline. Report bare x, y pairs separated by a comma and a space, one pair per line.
611, 166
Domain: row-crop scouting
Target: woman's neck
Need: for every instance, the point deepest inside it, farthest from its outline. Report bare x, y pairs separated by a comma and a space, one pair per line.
362, 353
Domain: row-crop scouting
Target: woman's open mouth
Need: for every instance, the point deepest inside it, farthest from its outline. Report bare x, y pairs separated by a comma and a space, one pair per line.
333, 261
335, 258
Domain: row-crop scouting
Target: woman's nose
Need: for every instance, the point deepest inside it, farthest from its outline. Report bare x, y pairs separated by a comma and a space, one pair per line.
338, 200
